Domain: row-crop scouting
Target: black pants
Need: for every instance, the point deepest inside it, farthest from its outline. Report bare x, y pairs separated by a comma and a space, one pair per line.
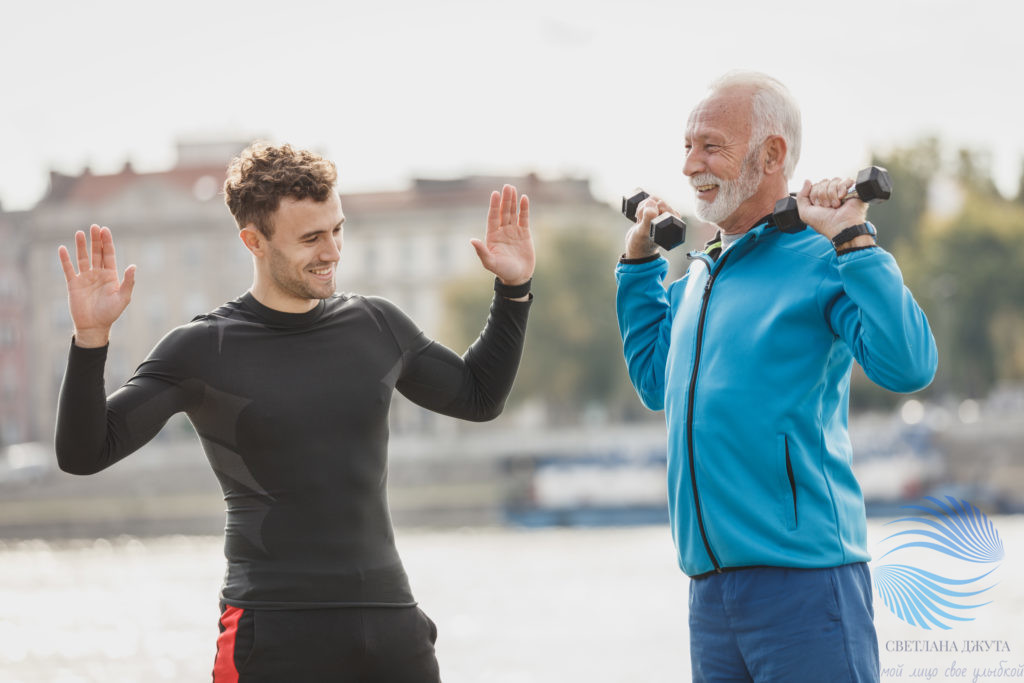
340, 645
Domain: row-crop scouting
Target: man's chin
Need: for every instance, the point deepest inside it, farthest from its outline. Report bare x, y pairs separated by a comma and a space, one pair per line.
320, 289
708, 212
326, 292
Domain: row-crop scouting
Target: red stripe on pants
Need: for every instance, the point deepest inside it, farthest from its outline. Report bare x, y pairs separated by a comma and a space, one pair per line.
224, 670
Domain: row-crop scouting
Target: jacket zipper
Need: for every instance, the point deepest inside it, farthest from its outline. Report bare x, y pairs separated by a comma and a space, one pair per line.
689, 408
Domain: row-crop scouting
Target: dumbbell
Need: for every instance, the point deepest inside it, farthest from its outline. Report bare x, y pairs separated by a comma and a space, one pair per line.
873, 186
667, 231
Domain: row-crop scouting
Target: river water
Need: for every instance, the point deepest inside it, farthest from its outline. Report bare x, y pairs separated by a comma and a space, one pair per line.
552, 605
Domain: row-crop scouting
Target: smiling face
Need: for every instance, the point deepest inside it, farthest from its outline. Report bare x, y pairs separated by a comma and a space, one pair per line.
726, 196
724, 169
296, 265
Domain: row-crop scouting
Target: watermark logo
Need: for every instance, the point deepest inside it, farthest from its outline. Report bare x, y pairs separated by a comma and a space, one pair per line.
958, 544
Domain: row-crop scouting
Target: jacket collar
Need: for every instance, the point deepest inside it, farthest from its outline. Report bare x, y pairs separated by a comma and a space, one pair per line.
713, 247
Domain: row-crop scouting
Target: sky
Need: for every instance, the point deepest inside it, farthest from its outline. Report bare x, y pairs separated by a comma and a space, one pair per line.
392, 90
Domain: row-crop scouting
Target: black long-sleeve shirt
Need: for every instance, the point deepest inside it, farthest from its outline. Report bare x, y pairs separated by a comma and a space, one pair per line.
292, 411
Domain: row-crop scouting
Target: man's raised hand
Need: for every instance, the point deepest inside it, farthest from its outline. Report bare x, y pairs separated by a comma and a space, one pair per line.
507, 249
96, 296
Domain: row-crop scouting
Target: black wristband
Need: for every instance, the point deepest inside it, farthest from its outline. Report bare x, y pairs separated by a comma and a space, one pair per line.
638, 261
512, 291
850, 250
851, 232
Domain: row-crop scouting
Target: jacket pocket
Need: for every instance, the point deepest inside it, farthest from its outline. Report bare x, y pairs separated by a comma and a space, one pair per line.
787, 484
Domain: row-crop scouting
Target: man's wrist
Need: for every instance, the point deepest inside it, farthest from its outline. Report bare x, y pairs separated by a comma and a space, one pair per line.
634, 255
854, 236
520, 292
91, 339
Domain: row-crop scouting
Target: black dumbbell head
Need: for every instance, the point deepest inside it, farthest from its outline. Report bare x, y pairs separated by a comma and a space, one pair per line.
873, 185
631, 203
668, 231
787, 216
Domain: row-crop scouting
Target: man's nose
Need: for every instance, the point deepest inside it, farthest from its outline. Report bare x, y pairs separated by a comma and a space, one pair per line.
332, 252
693, 164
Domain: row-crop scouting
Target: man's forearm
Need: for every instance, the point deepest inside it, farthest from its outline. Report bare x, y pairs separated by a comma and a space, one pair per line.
642, 310
81, 412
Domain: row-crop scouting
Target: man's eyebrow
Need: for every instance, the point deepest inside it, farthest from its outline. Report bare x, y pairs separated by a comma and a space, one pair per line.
314, 233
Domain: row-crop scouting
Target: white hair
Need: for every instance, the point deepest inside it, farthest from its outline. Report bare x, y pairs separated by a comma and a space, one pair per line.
774, 111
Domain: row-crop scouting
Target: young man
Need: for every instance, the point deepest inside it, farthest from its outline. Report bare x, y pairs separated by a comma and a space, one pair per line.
288, 387
749, 354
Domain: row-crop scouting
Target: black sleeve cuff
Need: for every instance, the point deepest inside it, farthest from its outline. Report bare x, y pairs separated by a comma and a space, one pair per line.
638, 261
512, 291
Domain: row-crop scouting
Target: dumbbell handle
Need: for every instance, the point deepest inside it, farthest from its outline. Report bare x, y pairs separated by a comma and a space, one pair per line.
667, 230
876, 184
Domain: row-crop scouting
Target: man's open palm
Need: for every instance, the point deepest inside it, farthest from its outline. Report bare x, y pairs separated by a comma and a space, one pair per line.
96, 296
507, 249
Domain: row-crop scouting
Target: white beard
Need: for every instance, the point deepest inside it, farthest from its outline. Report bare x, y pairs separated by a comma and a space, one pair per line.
731, 193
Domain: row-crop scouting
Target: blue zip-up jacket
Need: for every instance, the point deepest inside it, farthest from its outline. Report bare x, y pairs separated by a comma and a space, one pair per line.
749, 354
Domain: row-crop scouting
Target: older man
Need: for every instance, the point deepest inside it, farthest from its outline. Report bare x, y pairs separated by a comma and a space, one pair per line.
749, 354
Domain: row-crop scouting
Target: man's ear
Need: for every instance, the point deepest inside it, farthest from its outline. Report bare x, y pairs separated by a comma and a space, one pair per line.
774, 154
253, 239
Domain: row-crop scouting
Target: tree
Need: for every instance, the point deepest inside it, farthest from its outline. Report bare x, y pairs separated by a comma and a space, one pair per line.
1020, 185
977, 260
573, 360
965, 268
912, 170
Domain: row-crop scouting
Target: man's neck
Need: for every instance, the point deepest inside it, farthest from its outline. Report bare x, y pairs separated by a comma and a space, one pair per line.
277, 300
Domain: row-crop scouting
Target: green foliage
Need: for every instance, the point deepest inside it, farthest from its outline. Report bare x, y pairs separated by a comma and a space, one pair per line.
966, 269
1020, 185
912, 171
976, 265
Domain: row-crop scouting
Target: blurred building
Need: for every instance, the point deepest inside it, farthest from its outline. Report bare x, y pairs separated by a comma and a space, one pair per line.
14, 378
404, 245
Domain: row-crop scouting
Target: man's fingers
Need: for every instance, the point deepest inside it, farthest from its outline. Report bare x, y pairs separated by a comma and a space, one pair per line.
127, 284
524, 212
805, 191
843, 186
648, 212
508, 204
82, 251
65, 263
494, 212
96, 238
481, 251
107, 247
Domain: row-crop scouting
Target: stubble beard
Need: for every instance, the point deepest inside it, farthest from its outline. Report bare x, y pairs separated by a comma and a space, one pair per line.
281, 272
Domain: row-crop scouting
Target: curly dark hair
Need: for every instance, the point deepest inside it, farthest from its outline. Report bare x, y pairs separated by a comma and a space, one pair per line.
263, 174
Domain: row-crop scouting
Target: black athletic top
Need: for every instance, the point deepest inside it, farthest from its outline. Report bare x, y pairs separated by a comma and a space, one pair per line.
292, 411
